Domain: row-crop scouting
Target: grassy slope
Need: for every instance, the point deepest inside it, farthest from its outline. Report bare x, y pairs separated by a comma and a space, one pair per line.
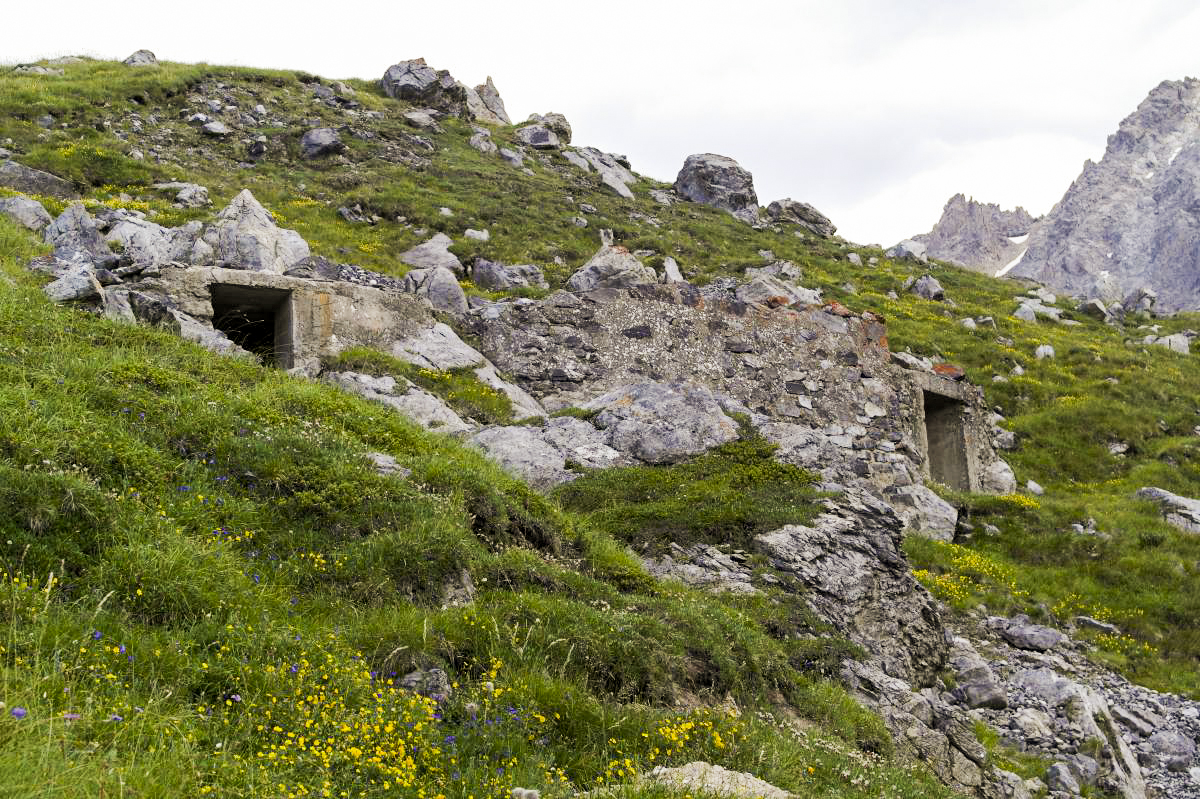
1145, 578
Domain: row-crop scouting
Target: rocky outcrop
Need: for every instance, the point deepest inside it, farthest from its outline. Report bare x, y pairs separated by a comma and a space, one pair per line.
539, 137
1130, 220
485, 105
721, 182
422, 407
28, 213
496, 276
555, 122
613, 173
75, 236
662, 422
434, 254
141, 58
979, 236
420, 84
611, 268
439, 286
19, 177
802, 215
858, 580
1182, 513
245, 236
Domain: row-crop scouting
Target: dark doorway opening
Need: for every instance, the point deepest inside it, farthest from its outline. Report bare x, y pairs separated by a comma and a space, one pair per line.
256, 319
945, 435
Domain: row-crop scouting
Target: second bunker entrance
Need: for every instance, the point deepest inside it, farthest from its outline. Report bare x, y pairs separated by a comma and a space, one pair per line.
256, 319
945, 435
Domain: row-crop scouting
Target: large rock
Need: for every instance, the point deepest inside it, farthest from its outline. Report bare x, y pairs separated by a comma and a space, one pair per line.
774, 293
707, 779
320, 142
418, 83
802, 214
495, 276
539, 137
440, 286
998, 478
75, 236
422, 407
856, 578
188, 195
1130, 221
928, 287
1180, 512
555, 122
438, 348
141, 58
611, 267
612, 172
77, 284
976, 685
978, 236
434, 254
34, 181
1175, 750
1024, 634
924, 512
485, 105
912, 250
143, 242
720, 182
663, 422
28, 213
245, 236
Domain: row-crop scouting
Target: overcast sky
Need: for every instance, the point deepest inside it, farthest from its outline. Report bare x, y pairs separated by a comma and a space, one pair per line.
874, 112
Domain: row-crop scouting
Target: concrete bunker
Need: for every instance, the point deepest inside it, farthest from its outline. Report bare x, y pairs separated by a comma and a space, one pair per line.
258, 319
945, 434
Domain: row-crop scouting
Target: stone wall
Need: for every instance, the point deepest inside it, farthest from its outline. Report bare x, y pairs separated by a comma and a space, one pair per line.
825, 375
327, 316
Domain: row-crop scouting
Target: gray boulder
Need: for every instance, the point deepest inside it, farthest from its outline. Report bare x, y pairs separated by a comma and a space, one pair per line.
662, 422
418, 83
1176, 751
539, 137
927, 287
613, 173
485, 104
438, 348
145, 243
320, 142
75, 237
439, 286
78, 284
483, 143
998, 477
245, 237
1059, 778
1183, 513
217, 129
1023, 634
423, 120
520, 450
422, 407
924, 512
141, 58
26, 212
802, 214
434, 254
774, 293
556, 122
188, 195
911, 249
19, 177
976, 684
718, 181
495, 276
611, 267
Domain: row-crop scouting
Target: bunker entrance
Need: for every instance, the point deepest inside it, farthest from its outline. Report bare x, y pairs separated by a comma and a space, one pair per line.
256, 319
945, 434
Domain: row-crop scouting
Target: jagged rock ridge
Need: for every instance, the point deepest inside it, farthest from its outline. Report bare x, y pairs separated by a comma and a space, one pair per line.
979, 236
1131, 221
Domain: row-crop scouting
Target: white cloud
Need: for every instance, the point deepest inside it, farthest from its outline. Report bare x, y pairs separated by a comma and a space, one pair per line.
876, 112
